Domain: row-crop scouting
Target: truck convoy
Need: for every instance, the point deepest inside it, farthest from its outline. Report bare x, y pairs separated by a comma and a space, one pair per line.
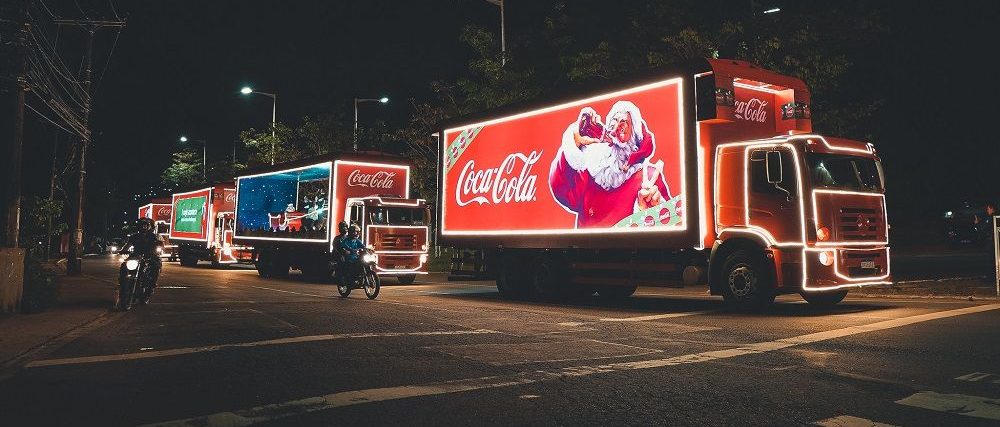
289, 214
202, 226
706, 173
159, 211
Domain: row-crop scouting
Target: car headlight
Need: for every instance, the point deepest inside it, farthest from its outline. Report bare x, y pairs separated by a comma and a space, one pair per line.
370, 258
132, 264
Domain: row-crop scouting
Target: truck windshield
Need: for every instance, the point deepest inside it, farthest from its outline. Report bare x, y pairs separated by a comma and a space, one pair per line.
845, 172
397, 216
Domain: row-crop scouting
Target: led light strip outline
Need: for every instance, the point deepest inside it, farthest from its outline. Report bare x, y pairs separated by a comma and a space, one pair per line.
173, 214
236, 218
852, 243
349, 200
679, 81
766, 235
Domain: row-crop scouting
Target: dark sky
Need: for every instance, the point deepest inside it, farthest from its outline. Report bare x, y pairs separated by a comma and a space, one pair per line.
178, 66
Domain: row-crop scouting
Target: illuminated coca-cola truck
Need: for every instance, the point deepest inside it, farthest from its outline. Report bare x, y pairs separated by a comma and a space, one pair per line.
203, 224
706, 173
290, 212
159, 211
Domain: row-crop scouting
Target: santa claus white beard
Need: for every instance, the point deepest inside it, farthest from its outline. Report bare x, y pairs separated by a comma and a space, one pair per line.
604, 162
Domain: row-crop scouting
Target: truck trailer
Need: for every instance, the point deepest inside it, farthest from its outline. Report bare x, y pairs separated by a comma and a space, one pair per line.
159, 210
289, 214
203, 224
704, 173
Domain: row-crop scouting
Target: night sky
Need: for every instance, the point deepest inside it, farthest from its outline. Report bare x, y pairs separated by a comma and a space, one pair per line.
178, 66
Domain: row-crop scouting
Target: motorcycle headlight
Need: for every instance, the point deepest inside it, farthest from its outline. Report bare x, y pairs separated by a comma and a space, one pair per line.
370, 258
132, 264
114, 248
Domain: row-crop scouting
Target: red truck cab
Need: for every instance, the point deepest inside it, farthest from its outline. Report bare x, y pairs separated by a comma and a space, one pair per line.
397, 230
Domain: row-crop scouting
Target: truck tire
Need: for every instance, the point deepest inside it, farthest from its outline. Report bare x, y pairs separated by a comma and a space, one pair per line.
263, 265
511, 277
747, 284
188, 260
824, 299
616, 292
406, 279
547, 278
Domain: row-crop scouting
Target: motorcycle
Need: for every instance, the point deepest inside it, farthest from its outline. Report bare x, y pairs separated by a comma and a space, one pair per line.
361, 275
134, 285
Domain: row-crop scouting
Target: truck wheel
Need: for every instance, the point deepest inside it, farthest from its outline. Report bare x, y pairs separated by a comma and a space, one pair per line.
746, 281
547, 278
616, 292
189, 261
263, 265
824, 299
406, 279
511, 279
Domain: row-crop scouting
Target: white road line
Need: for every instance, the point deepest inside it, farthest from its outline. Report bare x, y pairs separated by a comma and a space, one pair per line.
289, 292
655, 316
849, 421
961, 404
271, 412
975, 376
291, 340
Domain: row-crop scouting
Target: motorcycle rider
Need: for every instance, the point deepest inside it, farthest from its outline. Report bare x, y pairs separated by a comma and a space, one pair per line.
146, 242
339, 259
350, 248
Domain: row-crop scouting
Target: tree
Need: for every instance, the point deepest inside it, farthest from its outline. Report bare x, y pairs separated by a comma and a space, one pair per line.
184, 170
263, 145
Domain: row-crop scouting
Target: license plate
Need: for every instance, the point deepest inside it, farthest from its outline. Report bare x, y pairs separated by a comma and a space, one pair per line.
868, 264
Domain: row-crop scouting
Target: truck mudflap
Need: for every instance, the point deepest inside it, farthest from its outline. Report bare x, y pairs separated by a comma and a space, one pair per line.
825, 269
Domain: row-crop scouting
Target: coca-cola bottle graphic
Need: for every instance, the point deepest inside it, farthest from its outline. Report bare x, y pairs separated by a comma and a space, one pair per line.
591, 126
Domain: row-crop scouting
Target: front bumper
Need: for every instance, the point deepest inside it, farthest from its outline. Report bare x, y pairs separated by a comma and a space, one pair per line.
825, 269
397, 264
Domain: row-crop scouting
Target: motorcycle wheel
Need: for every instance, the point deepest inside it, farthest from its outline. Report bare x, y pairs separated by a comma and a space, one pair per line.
372, 284
344, 290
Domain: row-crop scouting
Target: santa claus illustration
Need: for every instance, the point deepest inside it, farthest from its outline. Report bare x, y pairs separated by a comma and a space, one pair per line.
601, 172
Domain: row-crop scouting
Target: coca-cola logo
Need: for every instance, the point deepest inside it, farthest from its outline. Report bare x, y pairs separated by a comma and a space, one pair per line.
163, 211
511, 181
230, 197
752, 111
381, 179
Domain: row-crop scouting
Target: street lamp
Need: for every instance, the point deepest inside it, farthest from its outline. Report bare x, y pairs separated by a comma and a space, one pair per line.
204, 155
381, 100
503, 35
247, 90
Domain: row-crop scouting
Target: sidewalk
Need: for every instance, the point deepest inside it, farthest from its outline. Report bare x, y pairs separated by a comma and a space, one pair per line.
81, 301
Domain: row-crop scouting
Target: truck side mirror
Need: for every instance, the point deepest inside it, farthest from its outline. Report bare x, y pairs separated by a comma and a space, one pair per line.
773, 165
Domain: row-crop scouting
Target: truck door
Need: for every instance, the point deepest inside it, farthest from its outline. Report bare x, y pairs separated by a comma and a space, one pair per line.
773, 206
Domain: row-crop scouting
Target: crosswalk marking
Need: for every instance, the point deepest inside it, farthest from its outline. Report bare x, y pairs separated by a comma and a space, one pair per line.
975, 376
961, 404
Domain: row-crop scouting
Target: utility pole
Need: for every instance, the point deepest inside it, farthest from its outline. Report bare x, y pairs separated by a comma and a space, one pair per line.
52, 195
20, 86
73, 266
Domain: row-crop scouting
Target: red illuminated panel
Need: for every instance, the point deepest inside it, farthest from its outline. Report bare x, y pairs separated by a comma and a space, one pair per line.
363, 179
146, 211
611, 163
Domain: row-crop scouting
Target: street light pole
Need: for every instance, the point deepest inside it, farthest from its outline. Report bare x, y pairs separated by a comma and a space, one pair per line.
503, 31
274, 114
204, 155
357, 100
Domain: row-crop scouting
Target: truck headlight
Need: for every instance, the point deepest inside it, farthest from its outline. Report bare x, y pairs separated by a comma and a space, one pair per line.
369, 257
822, 234
826, 258
132, 264
423, 258
159, 250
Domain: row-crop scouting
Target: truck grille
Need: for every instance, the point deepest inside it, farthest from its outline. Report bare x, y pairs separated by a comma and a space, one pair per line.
861, 224
404, 242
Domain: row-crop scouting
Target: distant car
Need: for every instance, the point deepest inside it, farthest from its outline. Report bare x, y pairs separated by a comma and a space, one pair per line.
114, 245
969, 223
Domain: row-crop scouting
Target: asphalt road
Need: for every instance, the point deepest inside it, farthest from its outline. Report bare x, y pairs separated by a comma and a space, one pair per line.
224, 347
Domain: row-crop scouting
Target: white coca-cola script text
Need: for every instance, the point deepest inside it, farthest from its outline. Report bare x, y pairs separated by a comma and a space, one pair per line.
380, 179
511, 181
753, 110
